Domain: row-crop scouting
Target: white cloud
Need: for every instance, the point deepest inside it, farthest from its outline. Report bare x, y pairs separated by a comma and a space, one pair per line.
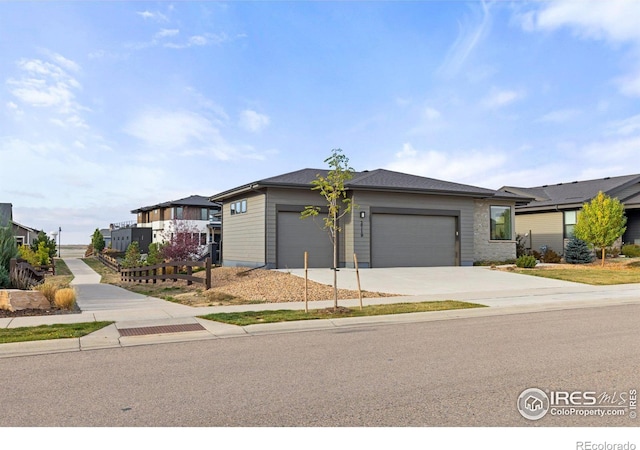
499, 98
625, 127
470, 34
464, 167
185, 133
560, 115
46, 85
166, 33
153, 15
253, 121
611, 20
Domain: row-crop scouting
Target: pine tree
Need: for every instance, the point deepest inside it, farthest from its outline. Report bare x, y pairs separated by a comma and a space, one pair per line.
577, 252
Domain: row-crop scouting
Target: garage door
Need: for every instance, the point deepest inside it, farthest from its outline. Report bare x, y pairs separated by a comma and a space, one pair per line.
399, 240
295, 236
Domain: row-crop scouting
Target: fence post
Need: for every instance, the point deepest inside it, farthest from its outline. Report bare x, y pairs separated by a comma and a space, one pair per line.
189, 273
208, 269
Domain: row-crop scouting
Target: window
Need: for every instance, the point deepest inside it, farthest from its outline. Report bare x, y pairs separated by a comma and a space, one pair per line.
204, 214
179, 212
239, 207
570, 219
500, 223
203, 238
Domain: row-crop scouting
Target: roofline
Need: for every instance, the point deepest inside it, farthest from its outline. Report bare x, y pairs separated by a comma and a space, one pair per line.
166, 204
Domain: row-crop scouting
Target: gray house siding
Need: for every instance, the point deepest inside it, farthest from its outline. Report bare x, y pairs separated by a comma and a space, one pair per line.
288, 199
632, 234
243, 235
542, 229
484, 248
463, 207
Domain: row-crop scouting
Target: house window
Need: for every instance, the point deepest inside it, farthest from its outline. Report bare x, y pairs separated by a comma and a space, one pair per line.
179, 212
204, 214
501, 223
239, 207
570, 219
203, 238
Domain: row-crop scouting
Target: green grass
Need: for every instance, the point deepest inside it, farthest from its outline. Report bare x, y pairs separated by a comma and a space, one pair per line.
253, 317
45, 332
614, 272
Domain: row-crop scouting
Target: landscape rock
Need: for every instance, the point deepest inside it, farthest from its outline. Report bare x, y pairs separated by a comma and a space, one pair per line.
15, 300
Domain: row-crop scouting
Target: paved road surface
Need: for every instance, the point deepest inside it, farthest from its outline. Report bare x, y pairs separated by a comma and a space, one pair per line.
464, 372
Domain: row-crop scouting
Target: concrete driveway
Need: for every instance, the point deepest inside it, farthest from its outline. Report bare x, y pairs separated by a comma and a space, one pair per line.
433, 280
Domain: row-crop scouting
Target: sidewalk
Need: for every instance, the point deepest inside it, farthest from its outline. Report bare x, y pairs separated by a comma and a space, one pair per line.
142, 320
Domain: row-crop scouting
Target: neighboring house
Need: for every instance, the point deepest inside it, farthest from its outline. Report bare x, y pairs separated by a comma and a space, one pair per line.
106, 235
550, 218
195, 212
122, 237
400, 220
24, 235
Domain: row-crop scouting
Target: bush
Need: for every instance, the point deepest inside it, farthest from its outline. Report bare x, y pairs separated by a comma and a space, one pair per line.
65, 298
132, 257
28, 255
551, 257
526, 262
48, 290
577, 252
520, 247
5, 280
155, 254
631, 250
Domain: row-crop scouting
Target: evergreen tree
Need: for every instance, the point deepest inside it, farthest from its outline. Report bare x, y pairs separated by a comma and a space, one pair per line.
577, 252
97, 241
132, 257
49, 244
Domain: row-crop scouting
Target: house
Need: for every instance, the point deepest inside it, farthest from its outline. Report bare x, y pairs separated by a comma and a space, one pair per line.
550, 218
400, 220
122, 237
24, 235
195, 212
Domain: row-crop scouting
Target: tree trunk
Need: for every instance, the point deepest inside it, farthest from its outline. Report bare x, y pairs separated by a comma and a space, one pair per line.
604, 253
335, 264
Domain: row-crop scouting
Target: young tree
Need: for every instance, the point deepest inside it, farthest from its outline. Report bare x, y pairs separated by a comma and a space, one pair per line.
49, 244
601, 222
132, 256
97, 241
339, 204
154, 256
182, 242
577, 252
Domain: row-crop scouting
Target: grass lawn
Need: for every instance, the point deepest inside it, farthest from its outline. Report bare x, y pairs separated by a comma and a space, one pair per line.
253, 317
45, 332
63, 275
614, 272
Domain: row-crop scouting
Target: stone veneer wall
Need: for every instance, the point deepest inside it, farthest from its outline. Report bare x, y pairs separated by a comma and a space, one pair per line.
484, 248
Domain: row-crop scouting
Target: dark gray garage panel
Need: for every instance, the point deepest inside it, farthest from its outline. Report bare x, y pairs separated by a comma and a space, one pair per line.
295, 236
407, 240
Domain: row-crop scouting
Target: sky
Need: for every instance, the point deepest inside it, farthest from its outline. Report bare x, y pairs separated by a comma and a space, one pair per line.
108, 106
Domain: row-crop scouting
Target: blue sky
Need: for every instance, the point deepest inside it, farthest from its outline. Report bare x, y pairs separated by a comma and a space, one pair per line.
109, 106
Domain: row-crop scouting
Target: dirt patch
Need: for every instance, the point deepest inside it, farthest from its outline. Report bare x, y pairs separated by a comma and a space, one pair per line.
233, 285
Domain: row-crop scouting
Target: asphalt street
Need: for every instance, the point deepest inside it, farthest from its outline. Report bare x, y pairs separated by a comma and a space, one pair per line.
462, 372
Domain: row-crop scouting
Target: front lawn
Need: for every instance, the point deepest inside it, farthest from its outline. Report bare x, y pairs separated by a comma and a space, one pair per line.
282, 315
614, 272
46, 332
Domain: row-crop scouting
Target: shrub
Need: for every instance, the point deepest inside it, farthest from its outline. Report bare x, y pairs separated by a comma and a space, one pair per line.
631, 250
526, 262
551, 257
42, 254
21, 279
65, 298
8, 247
28, 255
155, 254
520, 246
49, 245
577, 252
5, 280
48, 290
132, 257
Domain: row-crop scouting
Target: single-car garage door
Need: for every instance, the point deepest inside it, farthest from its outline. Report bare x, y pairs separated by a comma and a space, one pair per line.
406, 240
295, 236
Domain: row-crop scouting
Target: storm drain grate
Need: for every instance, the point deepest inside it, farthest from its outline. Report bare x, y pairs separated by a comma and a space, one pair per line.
141, 331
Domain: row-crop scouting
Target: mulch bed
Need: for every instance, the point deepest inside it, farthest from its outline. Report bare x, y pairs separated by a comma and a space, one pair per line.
37, 312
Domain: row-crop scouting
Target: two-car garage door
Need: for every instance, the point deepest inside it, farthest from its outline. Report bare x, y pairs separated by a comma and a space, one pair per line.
409, 240
397, 240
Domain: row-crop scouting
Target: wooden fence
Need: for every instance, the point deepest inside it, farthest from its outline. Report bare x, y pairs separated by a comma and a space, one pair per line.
110, 262
160, 272
26, 269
